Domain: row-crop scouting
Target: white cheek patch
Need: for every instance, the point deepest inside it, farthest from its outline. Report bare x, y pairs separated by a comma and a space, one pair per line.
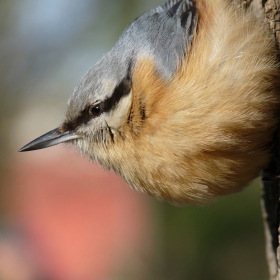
116, 117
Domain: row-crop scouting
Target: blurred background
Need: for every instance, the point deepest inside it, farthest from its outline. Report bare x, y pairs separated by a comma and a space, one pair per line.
63, 218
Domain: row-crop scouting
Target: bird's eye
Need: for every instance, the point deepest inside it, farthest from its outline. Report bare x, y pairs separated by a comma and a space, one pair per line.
95, 110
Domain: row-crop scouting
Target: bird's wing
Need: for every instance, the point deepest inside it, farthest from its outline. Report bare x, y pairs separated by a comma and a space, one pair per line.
169, 30
163, 34
172, 6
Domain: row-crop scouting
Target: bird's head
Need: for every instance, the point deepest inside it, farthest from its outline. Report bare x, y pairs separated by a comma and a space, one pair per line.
101, 104
97, 109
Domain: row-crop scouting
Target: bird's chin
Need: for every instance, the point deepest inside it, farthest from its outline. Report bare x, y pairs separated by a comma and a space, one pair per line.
78, 143
84, 146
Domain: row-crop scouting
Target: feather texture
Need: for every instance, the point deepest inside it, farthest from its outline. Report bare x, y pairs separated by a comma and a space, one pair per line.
210, 130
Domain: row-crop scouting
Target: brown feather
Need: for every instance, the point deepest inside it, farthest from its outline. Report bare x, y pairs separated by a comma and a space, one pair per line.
210, 130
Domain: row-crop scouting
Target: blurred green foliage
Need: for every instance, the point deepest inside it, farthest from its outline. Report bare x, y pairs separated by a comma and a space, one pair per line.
222, 241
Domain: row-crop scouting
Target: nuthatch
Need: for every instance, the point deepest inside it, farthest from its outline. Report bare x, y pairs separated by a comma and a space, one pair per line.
184, 107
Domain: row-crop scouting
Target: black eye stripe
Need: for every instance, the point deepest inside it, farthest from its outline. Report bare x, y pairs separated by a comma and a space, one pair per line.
122, 90
84, 117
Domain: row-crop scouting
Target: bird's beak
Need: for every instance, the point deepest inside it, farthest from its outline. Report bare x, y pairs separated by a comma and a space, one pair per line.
49, 139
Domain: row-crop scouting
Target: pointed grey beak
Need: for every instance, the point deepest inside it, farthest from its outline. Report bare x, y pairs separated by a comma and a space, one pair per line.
49, 139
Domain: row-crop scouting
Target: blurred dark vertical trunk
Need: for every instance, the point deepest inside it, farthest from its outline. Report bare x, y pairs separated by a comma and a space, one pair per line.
270, 176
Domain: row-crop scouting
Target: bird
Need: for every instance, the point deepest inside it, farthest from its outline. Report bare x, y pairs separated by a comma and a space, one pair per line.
184, 107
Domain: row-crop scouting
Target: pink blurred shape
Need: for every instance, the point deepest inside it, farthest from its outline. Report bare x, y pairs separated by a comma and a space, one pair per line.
82, 222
